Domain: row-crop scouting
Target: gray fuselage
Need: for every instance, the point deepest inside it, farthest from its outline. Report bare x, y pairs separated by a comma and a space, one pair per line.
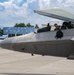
43, 43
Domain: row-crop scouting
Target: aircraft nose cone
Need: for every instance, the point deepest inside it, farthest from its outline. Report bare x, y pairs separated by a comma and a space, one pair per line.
6, 43
0, 42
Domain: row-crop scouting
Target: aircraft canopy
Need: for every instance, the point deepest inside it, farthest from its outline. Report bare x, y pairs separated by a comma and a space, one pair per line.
57, 13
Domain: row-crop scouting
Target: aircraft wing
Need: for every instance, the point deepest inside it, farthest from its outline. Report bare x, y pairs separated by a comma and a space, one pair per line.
57, 13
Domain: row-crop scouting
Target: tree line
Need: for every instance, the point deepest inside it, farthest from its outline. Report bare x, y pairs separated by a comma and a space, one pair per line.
23, 25
1, 31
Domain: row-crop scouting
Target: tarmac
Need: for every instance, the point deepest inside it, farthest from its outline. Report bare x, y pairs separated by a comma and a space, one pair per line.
18, 63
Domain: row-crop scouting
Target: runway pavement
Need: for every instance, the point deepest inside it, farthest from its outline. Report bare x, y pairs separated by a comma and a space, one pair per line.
17, 63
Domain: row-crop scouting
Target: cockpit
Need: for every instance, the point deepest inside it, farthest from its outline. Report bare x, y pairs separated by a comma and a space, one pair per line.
58, 29
65, 25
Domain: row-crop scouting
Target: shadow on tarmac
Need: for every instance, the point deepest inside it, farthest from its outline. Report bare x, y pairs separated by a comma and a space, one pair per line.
23, 74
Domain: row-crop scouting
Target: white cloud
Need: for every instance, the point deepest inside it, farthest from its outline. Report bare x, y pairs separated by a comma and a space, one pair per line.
30, 1
69, 3
65, 3
2, 8
11, 12
14, 10
44, 4
60, 1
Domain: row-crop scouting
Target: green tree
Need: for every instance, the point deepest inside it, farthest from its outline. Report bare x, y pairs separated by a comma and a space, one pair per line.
36, 26
20, 25
29, 25
1, 31
16, 25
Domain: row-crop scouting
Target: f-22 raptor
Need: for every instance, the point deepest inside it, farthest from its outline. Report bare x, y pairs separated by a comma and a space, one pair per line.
45, 43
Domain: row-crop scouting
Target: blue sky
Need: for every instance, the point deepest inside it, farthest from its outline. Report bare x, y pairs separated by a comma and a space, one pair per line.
17, 11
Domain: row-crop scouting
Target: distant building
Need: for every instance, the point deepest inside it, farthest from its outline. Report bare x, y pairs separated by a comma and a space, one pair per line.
18, 30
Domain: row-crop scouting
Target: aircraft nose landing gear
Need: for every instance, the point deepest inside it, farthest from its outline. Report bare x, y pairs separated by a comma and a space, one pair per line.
32, 54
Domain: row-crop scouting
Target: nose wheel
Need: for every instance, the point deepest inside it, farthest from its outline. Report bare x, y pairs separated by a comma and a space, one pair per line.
32, 54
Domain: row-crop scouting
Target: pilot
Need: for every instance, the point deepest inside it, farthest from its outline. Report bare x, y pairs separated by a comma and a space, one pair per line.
56, 26
69, 25
65, 25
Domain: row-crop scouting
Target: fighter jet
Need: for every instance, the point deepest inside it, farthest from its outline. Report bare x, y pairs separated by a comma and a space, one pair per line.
45, 43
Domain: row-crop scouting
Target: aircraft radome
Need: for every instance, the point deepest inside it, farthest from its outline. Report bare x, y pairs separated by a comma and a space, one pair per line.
45, 43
